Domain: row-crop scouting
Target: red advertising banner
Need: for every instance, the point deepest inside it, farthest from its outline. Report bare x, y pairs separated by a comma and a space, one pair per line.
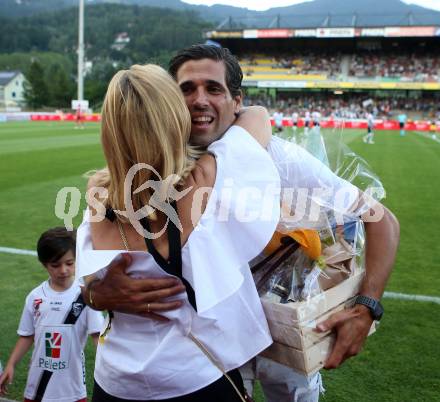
327, 123
362, 124
45, 117
336, 32
275, 33
409, 31
65, 117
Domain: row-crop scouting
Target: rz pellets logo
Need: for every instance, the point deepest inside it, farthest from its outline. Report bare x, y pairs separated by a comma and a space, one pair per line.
53, 344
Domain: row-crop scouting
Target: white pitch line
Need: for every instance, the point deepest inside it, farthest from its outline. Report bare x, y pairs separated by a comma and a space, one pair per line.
429, 136
403, 296
388, 295
17, 251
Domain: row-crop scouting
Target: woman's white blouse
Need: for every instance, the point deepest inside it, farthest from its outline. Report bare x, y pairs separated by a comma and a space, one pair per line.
145, 359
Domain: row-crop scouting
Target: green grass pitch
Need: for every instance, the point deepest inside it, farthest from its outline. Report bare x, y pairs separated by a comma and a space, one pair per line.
399, 363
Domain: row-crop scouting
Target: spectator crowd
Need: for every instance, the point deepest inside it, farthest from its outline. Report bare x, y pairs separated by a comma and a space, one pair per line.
364, 65
348, 106
410, 67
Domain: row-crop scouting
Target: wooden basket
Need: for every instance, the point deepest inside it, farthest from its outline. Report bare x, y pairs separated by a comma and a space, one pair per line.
295, 343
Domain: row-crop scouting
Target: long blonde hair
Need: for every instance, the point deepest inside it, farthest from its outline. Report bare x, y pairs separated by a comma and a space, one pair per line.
144, 120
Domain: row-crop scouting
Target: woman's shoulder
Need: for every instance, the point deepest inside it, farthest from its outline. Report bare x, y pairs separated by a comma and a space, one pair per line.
103, 232
97, 186
98, 178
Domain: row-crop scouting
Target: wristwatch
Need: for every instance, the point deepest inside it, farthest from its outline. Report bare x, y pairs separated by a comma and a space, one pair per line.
376, 309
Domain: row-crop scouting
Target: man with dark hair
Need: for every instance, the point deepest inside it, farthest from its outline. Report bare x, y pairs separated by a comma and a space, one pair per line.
212, 92
210, 79
234, 74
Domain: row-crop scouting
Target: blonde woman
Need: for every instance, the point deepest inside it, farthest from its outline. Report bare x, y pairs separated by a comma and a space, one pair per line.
178, 213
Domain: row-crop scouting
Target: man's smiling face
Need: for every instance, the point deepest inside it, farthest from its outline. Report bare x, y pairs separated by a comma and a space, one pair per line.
212, 108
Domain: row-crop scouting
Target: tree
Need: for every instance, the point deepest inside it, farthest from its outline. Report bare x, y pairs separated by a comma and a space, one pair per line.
35, 89
61, 88
96, 82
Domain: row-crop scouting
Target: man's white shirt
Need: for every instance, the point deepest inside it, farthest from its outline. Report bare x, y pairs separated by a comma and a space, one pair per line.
308, 186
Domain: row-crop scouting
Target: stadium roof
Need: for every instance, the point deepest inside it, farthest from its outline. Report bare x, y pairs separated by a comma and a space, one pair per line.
7, 76
330, 20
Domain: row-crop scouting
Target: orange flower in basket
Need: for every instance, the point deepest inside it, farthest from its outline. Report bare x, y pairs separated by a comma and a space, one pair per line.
308, 240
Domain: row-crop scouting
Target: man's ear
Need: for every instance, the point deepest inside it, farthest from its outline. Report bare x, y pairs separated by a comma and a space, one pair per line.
238, 99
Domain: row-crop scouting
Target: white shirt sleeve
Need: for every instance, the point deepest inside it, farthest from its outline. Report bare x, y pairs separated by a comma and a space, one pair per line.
310, 190
241, 216
95, 321
26, 326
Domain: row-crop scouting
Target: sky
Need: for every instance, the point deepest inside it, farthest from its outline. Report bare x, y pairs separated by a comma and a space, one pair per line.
264, 5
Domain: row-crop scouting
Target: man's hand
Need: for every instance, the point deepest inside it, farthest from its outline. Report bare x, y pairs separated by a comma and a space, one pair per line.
118, 292
351, 326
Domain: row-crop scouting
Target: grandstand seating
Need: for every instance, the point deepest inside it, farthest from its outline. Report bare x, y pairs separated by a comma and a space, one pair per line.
413, 67
368, 65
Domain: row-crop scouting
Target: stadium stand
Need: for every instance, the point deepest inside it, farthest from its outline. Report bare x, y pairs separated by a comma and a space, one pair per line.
342, 66
325, 65
412, 67
371, 65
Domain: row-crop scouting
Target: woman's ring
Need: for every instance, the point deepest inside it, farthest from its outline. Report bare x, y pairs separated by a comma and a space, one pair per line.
148, 307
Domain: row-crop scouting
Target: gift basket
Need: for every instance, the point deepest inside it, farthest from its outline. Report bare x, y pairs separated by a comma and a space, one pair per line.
314, 264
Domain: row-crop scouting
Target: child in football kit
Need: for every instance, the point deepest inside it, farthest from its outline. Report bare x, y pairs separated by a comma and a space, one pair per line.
56, 320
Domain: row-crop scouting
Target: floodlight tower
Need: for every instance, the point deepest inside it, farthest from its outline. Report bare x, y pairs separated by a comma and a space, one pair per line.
81, 51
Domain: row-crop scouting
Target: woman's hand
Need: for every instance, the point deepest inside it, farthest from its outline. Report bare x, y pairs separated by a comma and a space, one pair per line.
256, 121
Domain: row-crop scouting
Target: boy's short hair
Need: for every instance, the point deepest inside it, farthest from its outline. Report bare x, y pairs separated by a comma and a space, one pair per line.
54, 243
